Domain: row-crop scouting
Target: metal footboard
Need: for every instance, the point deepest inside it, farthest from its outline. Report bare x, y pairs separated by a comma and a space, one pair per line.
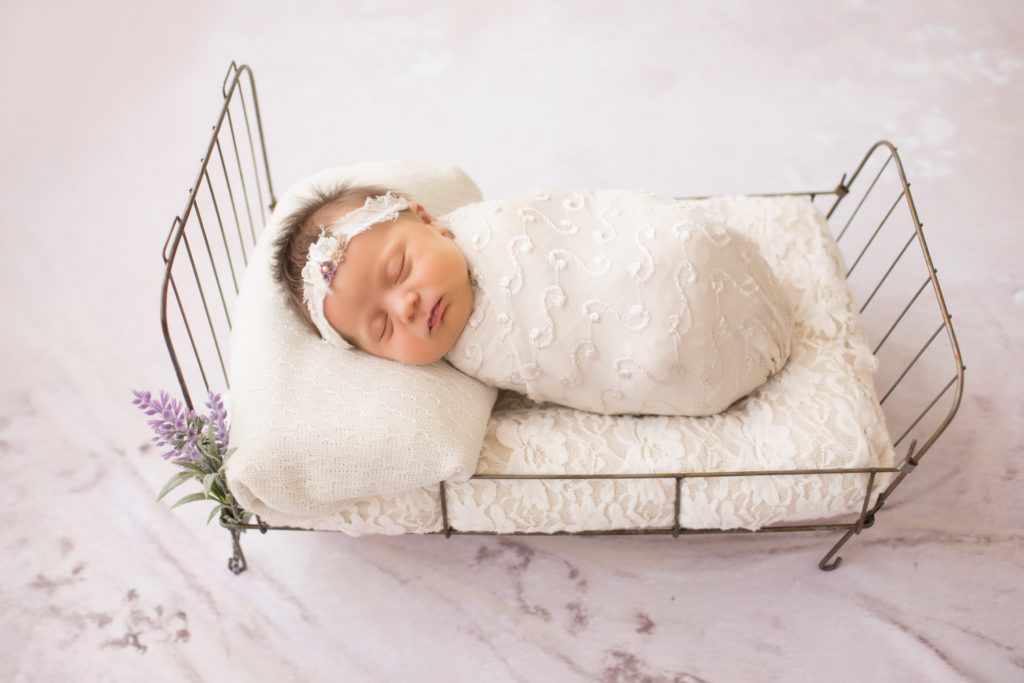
871, 212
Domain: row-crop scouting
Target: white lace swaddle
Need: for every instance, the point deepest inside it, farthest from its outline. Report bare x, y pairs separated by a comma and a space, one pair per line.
617, 302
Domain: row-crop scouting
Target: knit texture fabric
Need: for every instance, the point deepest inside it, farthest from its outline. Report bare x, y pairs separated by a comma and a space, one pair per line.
315, 425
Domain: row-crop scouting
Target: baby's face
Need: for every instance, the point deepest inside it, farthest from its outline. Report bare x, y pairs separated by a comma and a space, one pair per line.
402, 290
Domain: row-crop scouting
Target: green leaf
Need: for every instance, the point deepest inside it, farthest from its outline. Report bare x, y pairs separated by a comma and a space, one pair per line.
192, 467
174, 482
213, 462
214, 451
213, 513
219, 488
191, 498
208, 482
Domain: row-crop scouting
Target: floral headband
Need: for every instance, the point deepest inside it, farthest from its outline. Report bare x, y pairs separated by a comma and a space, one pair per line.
327, 252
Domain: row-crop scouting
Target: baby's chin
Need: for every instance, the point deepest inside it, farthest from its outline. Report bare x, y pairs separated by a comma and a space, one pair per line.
425, 363
433, 357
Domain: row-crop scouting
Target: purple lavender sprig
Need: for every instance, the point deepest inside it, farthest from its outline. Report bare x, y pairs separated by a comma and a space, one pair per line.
198, 444
219, 417
173, 426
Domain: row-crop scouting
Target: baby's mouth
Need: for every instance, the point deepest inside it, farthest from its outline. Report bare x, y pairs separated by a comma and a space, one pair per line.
435, 315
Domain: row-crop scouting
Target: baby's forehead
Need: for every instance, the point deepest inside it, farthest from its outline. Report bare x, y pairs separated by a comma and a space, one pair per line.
332, 211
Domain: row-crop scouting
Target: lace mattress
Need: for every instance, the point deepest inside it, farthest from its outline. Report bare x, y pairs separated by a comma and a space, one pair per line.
819, 412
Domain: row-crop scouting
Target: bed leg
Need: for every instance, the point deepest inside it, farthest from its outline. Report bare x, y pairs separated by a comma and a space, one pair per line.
866, 519
237, 563
828, 564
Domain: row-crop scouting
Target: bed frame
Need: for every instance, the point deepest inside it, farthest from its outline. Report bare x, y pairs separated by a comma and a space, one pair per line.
870, 211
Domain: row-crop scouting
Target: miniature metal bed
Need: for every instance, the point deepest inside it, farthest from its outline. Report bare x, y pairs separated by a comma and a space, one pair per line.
870, 211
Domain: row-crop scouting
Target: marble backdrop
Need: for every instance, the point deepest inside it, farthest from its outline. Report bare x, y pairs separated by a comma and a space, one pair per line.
107, 108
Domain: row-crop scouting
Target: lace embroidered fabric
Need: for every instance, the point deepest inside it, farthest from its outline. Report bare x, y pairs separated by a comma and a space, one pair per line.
819, 411
617, 302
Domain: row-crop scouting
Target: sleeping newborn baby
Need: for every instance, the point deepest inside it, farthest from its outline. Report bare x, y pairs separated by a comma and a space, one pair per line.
609, 301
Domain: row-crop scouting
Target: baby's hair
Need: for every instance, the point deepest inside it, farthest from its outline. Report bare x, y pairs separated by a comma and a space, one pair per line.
299, 231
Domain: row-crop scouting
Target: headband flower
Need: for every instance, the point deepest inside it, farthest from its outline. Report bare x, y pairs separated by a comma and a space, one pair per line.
328, 251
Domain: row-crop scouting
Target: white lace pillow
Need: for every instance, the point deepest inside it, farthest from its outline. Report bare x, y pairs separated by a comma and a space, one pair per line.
316, 426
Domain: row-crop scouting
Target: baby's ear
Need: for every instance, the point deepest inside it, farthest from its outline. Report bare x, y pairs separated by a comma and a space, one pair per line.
421, 211
427, 218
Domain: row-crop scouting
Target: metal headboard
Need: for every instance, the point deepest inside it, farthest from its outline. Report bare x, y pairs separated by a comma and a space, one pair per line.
208, 245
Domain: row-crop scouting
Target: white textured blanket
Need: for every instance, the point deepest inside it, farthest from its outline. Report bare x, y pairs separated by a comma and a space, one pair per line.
617, 302
819, 411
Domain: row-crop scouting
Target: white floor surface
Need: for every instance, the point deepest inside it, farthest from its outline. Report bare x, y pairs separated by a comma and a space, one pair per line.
106, 111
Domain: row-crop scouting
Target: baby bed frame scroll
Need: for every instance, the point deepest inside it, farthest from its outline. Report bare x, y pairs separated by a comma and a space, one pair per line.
871, 213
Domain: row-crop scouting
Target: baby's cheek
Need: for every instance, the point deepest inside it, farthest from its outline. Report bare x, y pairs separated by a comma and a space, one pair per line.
334, 317
406, 349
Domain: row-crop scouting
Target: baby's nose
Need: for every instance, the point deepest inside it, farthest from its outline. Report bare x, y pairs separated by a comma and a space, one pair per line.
408, 302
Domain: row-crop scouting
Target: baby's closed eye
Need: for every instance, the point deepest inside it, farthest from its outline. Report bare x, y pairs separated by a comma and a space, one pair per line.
397, 268
379, 327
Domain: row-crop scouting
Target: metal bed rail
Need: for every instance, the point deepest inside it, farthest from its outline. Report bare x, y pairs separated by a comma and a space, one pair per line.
208, 245
919, 382
872, 215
